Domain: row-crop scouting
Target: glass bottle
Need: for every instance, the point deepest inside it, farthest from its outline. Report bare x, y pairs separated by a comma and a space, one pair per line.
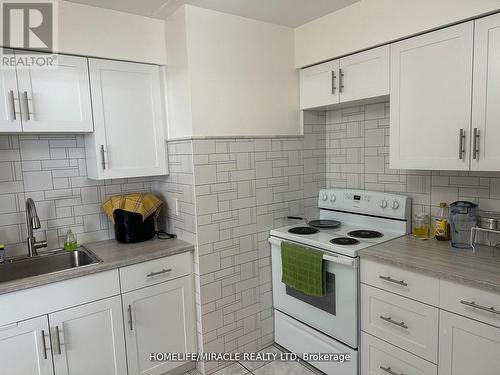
441, 223
421, 226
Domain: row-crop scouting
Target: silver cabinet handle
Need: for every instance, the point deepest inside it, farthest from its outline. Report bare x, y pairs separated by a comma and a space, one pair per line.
26, 105
44, 344
12, 104
479, 307
475, 144
389, 371
103, 158
334, 77
130, 323
388, 319
159, 272
58, 338
341, 80
391, 280
461, 144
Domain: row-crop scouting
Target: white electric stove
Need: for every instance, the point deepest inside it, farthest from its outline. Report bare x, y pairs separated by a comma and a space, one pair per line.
330, 324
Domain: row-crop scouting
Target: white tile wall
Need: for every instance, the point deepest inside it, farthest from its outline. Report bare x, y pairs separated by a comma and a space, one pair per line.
231, 192
52, 171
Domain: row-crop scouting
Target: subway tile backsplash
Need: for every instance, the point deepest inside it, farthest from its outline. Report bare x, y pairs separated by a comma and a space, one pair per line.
357, 153
51, 169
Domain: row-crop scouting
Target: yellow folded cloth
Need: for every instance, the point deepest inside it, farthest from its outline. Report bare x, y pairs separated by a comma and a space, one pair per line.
145, 204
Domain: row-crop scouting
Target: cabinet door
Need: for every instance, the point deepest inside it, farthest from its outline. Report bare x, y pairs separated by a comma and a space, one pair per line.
25, 348
88, 339
319, 85
10, 115
467, 346
364, 75
128, 114
158, 318
486, 95
56, 99
431, 83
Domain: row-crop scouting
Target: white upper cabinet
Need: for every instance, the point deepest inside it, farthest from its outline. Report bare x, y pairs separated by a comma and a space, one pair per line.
364, 75
431, 83
356, 77
486, 95
128, 140
10, 116
46, 100
319, 85
56, 99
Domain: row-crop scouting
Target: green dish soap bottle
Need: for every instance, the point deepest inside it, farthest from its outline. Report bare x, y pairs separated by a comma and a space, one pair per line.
70, 242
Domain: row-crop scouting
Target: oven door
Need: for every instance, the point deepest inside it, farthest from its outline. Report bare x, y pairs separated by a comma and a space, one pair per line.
336, 313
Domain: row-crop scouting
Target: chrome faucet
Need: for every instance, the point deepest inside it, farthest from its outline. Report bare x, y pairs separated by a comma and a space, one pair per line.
33, 222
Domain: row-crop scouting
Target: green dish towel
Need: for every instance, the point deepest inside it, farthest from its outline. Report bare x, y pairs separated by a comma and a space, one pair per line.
303, 269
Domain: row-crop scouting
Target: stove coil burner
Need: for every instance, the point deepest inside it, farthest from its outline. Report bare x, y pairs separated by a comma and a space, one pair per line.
365, 234
344, 241
303, 230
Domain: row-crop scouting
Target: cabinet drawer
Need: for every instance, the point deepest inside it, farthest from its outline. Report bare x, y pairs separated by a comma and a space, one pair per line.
408, 324
470, 302
400, 281
155, 271
379, 357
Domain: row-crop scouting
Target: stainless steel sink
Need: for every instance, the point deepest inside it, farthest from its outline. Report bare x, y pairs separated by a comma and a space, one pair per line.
47, 263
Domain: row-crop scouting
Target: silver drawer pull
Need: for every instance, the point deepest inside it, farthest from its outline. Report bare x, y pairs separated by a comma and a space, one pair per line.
130, 322
479, 307
27, 105
44, 345
159, 272
389, 371
333, 82
58, 338
388, 319
12, 104
391, 280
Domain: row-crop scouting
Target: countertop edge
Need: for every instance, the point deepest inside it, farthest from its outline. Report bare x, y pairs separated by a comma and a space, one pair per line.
440, 275
41, 280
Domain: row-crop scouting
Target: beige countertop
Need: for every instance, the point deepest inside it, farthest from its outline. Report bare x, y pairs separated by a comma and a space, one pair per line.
480, 269
113, 255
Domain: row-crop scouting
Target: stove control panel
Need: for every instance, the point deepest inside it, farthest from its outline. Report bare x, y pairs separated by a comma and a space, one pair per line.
366, 202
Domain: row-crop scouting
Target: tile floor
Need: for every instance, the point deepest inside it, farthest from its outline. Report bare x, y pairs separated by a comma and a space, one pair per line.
265, 368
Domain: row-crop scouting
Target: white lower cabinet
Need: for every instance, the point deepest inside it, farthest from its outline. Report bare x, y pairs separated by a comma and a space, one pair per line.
381, 358
467, 346
408, 324
158, 318
88, 339
25, 348
85, 326
401, 335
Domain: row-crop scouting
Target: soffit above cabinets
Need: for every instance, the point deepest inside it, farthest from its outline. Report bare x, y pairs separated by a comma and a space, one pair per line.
291, 13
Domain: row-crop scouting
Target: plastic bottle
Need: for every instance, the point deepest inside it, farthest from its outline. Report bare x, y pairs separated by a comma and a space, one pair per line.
70, 242
441, 224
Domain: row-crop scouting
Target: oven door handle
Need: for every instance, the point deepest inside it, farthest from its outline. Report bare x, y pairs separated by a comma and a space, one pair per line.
339, 259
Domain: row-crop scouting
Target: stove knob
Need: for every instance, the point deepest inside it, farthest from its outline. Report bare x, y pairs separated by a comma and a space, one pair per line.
333, 198
395, 205
324, 197
383, 204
